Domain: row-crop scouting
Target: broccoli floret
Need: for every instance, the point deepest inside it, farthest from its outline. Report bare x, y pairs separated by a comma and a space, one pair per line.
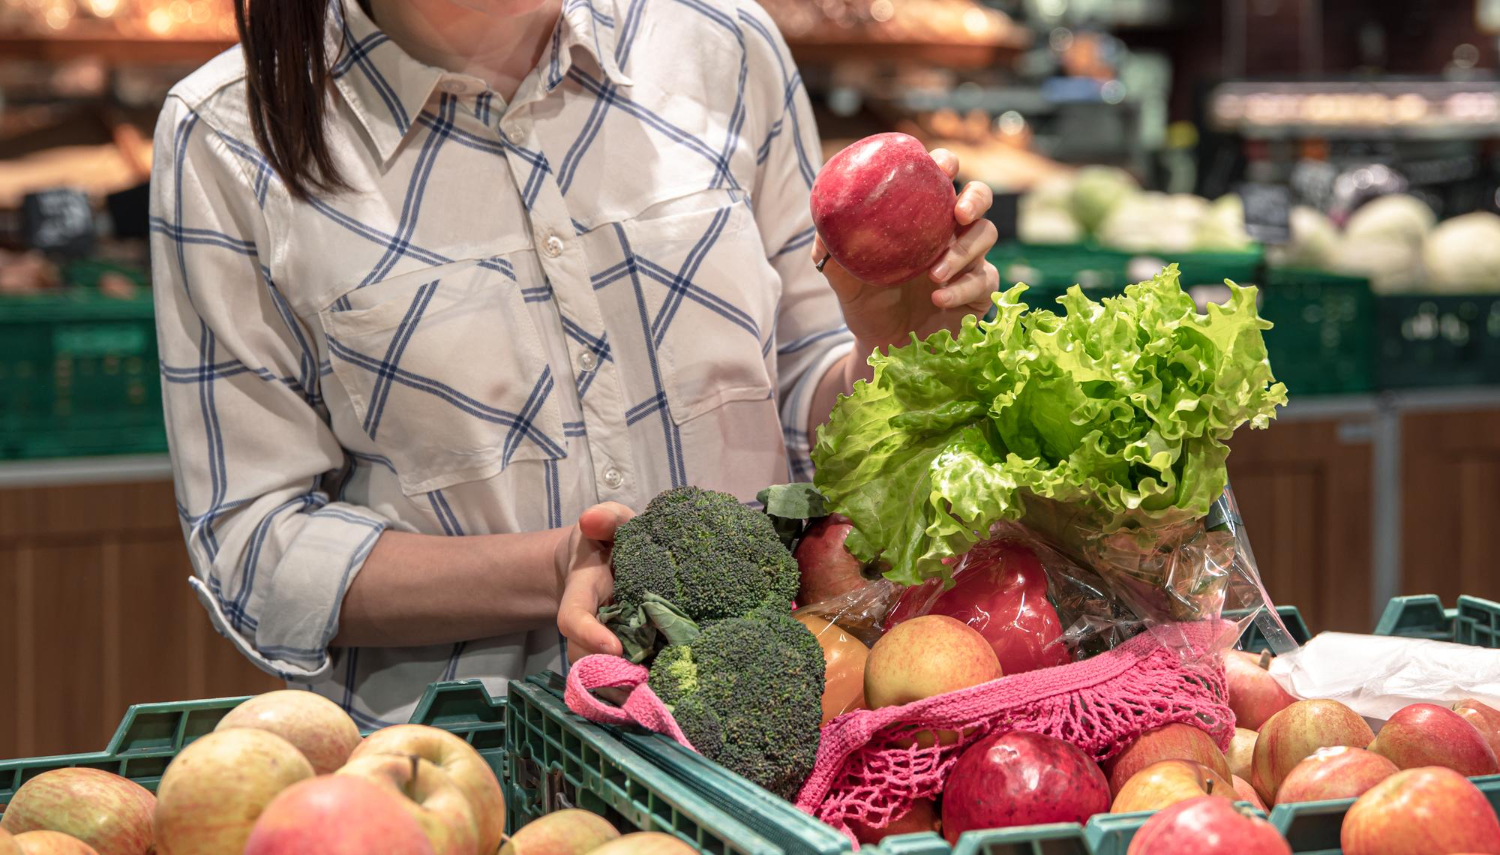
705, 552
748, 694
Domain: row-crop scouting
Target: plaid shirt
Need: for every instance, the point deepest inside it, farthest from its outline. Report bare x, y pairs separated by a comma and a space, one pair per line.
597, 291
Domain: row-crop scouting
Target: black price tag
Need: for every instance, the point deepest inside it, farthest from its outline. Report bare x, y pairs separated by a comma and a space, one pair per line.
60, 221
1268, 210
1005, 213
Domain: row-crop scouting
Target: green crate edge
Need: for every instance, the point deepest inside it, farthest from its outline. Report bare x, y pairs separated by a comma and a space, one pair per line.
606, 776
151, 735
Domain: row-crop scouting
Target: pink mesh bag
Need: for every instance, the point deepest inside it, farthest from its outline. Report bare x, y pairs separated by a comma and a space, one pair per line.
870, 770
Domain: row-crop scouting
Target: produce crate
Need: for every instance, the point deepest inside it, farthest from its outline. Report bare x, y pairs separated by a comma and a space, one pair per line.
150, 735
1323, 341
1255, 641
1474, 621
1437, 340
1312, 828
558, 760
79, 375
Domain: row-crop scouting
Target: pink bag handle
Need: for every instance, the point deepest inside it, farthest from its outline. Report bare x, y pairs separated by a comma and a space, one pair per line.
643, 708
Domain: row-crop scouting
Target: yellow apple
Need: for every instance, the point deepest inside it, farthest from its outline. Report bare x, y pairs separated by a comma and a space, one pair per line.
318, 727
212, 793
463, 764
430, 795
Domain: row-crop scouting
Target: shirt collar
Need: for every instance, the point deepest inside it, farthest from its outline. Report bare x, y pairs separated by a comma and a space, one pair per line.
388, 89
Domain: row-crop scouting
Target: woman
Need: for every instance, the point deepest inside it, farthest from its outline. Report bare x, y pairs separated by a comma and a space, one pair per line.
445, 289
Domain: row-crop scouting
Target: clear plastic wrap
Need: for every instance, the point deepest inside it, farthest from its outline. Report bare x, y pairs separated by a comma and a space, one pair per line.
1088, 592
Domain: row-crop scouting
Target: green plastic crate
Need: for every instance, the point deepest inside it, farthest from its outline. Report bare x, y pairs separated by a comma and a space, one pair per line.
1255, 641
79, 375
1474, 621
1323, 341
150, 735
1312, 828
1062, 838
557, 760
1437, 340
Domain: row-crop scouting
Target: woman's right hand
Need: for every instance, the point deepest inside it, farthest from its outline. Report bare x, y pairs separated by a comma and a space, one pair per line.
588, 581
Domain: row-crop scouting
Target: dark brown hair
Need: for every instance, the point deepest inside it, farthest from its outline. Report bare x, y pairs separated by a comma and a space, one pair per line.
287, 70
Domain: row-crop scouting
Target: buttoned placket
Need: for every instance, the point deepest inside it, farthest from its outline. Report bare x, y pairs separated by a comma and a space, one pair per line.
562, 258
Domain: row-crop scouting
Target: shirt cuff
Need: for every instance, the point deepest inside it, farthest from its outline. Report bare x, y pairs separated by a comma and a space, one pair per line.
799, 403
304, 592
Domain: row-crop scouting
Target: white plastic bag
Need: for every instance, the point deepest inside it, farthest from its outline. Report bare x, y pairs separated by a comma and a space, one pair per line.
1376, 675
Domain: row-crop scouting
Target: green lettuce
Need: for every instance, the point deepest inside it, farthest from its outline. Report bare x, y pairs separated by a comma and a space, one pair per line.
1110, 418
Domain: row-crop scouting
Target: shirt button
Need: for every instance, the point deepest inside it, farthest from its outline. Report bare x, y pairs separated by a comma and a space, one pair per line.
515, 134
613, 478
587, 360
553, 246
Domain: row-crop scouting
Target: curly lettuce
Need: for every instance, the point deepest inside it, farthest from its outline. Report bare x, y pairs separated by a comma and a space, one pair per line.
1110, 417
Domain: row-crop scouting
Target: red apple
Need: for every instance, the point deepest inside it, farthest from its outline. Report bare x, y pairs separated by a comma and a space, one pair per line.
1340, 772
1254, 695
51, 843
1421, 812
565, 832
1019, 778
1241, 754
1168, 742
1247, 793
108, 812
926, 656
1000, 590
214, 790
884, 209
1295, 733
8, 844
922, 816
828, 570
428, 795
1485, 718
1168, 782
1430, 735
336, 815
1207, 826
316, 726
449, 752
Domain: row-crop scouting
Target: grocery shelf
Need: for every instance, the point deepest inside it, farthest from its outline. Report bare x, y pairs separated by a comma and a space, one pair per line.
831, 51
84, 470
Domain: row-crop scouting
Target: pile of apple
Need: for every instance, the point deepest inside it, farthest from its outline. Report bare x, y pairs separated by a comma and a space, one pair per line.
287, 773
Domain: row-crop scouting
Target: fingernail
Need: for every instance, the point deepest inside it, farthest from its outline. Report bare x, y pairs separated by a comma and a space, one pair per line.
940, 272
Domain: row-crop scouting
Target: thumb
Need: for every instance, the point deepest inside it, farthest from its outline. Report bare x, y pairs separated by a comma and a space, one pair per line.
600, 521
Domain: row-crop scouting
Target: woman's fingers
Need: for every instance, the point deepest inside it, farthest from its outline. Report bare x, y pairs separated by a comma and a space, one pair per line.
600, 521
974, 241
946, 161
973, 202
587, 587
972, 289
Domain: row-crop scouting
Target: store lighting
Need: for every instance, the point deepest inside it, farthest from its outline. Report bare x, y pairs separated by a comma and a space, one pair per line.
104, 8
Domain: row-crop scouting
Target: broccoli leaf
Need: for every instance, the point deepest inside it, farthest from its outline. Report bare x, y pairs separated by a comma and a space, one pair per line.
791, 508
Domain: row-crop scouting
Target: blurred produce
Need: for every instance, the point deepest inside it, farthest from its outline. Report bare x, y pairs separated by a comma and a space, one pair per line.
1097, 191
1463, 254
26, 273
891, 21
1314, 240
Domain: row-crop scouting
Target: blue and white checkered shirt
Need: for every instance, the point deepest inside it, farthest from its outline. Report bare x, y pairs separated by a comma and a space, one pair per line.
597, 291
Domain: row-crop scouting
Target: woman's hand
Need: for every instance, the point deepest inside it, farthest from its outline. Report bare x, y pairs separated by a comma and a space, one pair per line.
959, 284
588, 581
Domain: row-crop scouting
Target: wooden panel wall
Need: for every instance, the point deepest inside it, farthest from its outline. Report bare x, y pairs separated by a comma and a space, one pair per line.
1451, 504
1304, 489
96, 614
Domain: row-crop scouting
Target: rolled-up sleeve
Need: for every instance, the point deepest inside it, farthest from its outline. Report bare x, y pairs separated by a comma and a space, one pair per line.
810, 334
250, 442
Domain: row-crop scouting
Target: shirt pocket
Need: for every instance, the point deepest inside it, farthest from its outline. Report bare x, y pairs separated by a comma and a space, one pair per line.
446, 373
718, 308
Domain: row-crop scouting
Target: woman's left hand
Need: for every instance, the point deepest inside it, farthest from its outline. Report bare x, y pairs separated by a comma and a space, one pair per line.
959, 283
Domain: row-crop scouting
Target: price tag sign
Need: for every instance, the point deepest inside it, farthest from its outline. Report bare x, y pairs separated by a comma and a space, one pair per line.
1268, 210
60, 221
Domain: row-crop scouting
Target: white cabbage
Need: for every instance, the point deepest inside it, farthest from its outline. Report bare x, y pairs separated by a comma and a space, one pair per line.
1463, 254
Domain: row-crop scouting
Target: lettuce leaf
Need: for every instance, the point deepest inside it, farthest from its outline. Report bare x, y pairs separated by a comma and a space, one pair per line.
1110, 417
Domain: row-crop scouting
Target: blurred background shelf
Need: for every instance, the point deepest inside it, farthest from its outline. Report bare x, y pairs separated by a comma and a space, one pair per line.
134, 50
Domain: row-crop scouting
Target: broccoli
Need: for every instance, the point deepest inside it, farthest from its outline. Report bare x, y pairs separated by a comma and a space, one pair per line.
748, 694
706, 553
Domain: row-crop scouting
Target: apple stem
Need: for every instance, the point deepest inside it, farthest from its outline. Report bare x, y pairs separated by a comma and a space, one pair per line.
415, 764
1265, 660
1208, 787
